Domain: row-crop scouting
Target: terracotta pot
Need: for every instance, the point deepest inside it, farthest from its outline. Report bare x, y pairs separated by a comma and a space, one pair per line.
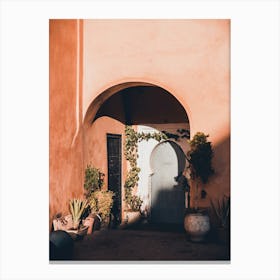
89, 221
63, 223
105, 222
197, 225
132, 217
76, 224
69, 221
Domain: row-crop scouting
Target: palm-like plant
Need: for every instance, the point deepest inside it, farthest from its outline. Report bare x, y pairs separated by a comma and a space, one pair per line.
77, 208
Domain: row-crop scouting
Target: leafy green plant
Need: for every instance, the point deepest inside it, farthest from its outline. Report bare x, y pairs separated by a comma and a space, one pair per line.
200, 160
94, 179
101, 202
221, 210
77, 208
134, 202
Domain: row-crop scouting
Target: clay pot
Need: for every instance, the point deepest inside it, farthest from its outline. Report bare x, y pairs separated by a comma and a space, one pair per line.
63, 223
76, 224
197, 225
89, 221
132, 217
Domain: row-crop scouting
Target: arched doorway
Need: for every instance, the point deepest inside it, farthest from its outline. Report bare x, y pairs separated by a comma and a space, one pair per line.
137, 104
167, 198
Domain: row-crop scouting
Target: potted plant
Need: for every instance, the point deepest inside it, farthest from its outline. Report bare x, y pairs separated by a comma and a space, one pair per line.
77, 208
94, 179
62, 222
221, 211
89, 222
101, 202
133, 208
197, 222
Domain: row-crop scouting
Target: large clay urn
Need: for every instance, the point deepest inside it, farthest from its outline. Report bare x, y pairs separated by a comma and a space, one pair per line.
197, 225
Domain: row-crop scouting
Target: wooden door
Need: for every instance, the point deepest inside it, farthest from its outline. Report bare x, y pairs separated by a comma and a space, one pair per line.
114, 172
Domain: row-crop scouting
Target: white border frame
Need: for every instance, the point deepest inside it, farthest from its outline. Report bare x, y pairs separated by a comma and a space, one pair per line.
254, 136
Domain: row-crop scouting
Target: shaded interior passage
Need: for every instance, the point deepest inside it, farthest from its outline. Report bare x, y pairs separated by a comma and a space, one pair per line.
143, 104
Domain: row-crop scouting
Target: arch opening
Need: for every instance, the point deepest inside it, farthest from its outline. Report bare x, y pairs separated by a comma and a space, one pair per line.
125, 101
149, 108
142, 105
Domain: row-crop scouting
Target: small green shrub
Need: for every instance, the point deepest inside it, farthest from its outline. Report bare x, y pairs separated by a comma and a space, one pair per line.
134, 202
200, 157
200, 160
94, 179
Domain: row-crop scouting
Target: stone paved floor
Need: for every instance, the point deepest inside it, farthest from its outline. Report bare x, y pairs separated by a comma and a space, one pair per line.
146, 244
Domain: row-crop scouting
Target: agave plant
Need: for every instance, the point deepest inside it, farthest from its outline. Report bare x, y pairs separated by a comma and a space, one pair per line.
77, 208
221, 209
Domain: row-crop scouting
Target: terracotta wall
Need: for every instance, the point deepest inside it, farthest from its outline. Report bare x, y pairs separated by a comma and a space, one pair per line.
66, 154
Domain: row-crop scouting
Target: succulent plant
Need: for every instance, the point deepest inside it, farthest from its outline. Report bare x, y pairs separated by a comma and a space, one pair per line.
77, 208
221, 209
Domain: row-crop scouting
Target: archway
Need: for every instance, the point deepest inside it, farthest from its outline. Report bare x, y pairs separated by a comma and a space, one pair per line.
137, 104
167, 197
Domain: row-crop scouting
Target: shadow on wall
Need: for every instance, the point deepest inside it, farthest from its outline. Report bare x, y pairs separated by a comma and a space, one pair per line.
167, 196
166, 216
218, 185
168, 206
219, 182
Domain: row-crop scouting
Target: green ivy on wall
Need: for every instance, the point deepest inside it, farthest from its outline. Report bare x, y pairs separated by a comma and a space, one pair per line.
132, 139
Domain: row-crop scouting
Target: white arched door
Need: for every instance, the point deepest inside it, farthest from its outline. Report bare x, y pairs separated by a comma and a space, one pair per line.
167, 199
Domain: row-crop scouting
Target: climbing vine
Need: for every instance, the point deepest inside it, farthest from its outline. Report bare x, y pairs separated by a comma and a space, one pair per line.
132, 139
182, 133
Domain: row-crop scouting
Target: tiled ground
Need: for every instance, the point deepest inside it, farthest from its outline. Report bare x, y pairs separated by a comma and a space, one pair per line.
146, 244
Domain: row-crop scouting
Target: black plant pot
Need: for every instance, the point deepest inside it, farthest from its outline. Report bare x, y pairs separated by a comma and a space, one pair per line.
223, 235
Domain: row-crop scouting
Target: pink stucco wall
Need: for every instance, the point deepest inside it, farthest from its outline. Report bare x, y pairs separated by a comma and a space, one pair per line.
189, 58
66, 150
